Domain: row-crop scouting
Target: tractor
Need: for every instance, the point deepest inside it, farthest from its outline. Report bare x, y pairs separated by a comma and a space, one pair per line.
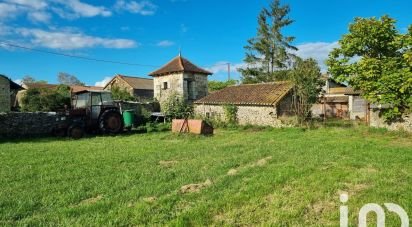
91, 111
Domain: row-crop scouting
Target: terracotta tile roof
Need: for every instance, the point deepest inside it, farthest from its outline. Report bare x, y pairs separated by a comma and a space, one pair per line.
268, 94
179, 64
138, 82
40, 85
74, 88
77, 88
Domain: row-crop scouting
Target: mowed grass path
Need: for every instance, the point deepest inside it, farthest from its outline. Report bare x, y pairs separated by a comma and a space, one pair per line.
289, 177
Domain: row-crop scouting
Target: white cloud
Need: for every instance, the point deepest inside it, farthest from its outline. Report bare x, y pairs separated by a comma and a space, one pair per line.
39, 16
103, 82
8, 11
70, 40
221, 67
76, 9
165, 43
34, 4
144, 8
316, 50
41, 10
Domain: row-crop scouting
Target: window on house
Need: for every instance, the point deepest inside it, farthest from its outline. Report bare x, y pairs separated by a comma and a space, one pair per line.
165, 85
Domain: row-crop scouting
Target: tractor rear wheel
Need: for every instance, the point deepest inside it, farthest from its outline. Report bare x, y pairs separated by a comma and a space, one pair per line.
76, 132
111, 121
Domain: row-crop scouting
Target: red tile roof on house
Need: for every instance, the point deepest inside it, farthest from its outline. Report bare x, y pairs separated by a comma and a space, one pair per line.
74, 88
268, 94
177, 65
137, 83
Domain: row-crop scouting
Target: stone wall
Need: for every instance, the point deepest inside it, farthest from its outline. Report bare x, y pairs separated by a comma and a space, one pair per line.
246, 115
174, 86
15, 124
4, 94
378, 122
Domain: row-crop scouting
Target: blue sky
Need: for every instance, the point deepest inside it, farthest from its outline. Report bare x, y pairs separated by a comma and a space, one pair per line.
150, 32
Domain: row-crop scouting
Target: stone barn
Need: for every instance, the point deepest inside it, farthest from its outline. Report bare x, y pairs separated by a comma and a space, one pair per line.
140, 88
258, 104
181, 77
8, 93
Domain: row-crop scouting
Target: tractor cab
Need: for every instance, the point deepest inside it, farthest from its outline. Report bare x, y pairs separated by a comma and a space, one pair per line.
93, 111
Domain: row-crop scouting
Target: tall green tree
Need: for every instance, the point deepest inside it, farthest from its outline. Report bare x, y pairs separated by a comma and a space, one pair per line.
376, 59
215, 85
308, 84
268, 54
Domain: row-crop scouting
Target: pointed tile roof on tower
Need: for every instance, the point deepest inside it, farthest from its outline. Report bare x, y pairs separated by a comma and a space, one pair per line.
177, 65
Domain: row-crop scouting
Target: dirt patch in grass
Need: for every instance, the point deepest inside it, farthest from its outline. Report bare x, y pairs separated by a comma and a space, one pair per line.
318, 213
369, 169
190, 188
90, 200
151, 199
322, 207
353, 189
168, 163
263, 161
328, 165
232, 172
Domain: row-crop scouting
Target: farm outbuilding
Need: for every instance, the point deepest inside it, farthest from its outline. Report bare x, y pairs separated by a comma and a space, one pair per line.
340, 101
257, 104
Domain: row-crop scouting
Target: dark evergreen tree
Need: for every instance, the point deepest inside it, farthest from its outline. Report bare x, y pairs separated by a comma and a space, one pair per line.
268, 55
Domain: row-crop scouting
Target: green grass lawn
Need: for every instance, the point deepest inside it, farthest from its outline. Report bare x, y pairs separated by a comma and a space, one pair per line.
289, 177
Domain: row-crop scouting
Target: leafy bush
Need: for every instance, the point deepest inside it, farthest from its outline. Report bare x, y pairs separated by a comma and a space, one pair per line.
230, 113
121, 94
36, 99
175, 107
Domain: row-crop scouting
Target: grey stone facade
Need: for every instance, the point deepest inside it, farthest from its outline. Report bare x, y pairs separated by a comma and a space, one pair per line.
5, 96
250, 114
246, 115
190, 86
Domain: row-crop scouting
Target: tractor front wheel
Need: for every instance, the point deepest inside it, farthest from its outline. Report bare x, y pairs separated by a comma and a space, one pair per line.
111, 121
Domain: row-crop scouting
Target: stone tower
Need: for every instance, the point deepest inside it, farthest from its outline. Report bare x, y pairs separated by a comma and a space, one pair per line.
181, 77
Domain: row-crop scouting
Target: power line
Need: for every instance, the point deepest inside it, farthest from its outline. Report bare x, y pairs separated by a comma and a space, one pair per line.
74, 56
86, 58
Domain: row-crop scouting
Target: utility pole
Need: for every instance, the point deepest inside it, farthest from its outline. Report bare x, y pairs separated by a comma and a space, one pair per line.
228, 71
